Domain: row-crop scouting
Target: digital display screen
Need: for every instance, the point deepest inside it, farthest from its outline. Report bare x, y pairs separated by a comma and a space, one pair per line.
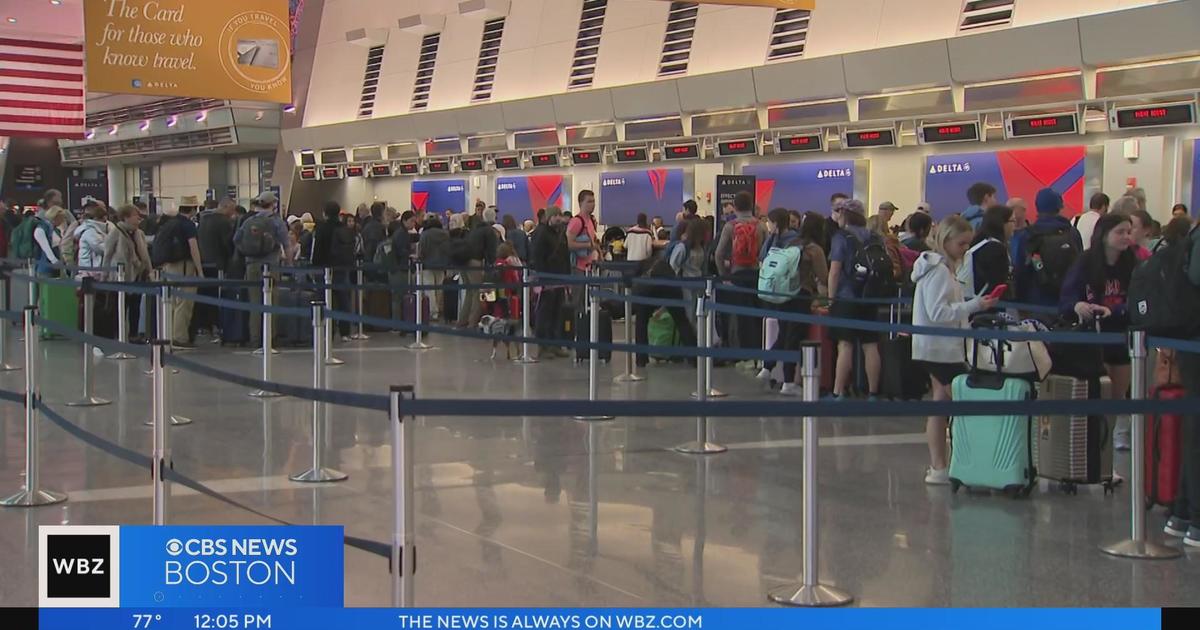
795, 144
407, 169
1153, 116
737, 147
873, 138
308, 173
439, 167
956, 132
681, 152
544, 159
331, 172
632, 155
471, 165
381, 170
307, 158
585, 157
1042, 125
355, 171
507, 162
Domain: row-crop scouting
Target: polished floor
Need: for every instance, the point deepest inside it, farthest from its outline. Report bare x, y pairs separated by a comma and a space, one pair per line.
555, 512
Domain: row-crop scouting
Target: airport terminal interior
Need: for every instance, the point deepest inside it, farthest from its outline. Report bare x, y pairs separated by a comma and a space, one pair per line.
407, 113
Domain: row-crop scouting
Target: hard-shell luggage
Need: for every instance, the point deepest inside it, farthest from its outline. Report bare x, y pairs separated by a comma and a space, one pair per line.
450, 298
583, 332
1075, 449
992, 452
661, 332
59, 304
410, 309
235, 323
290, 330
901, 379
378, 303
1162, 450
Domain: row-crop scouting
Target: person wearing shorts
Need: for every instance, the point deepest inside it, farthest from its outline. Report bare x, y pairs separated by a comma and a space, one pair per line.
852, 230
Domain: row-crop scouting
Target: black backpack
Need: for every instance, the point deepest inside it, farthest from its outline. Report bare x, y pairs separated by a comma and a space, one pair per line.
1051, 254
872, 271
257, 237
168, 245
1162, 299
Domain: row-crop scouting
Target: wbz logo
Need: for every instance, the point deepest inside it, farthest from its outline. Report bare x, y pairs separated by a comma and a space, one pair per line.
77, 566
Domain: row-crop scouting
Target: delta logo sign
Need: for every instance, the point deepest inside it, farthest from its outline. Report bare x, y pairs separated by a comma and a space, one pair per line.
801, 186
1020, 173
439, 195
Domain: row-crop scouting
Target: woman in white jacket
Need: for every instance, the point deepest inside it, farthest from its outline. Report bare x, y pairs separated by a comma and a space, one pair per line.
939, 301
91, 234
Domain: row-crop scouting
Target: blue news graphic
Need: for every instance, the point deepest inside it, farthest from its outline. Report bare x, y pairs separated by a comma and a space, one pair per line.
601, 619
655, 191
231, 566
801, 186
1014, 174
440, 195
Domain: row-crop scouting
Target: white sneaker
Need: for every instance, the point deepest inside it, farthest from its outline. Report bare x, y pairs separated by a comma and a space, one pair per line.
1121, 439
937, 477
97, 352
790, 389
763, 375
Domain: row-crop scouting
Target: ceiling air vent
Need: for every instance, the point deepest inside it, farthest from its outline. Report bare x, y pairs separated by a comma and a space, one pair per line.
985, 14
677, 41
587, 44
489, 56
370, 86
429, 49
789, 35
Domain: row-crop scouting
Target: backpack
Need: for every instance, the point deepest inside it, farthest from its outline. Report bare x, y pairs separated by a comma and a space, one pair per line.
966, 270
745, 244
168, 245
21, 244
872, 269
1051, 255
779, 276
258, 238
460, 251
1162, 299
383, 255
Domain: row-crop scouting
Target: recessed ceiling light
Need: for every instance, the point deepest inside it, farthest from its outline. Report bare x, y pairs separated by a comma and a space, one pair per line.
12, 20
56, 2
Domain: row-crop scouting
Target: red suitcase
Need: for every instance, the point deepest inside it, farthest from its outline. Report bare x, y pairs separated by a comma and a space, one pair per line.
1162, 451
821, 334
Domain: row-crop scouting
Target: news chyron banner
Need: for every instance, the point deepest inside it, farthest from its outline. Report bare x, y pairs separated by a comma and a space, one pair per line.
134, 566
199, 48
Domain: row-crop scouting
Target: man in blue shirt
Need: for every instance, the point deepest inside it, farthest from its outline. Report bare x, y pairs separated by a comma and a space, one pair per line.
266, 219
981, 196
1050, 224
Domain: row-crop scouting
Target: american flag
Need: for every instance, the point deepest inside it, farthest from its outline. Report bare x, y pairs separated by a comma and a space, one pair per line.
41, 89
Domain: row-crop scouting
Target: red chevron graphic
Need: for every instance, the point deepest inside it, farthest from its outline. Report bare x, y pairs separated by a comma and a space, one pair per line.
764, 189
420, 200
658, 180
544, 191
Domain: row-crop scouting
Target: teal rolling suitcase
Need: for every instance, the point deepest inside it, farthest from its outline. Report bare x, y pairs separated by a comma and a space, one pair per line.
992, 452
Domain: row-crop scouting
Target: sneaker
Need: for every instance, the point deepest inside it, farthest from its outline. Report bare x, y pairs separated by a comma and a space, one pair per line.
345, 338
763, 375
790, 389
832, 398
937, 477
1193, 537
1121, 439
1176, 527
873, 398
97, 352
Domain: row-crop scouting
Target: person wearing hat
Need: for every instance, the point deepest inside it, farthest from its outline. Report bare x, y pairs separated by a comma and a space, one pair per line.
259, 240
1036, 275
887, 210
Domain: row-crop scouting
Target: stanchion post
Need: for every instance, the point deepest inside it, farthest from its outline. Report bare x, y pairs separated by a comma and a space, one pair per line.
318, 473
33, 494
31, 287
360, 333
701, 445
810, 592
89, 307
122, 316
630, 375
526, 328
1136, 546
268, 332
419, 316
161, 455
5, 366
327, 337
404, 550
164, 334
709, 333
593, 353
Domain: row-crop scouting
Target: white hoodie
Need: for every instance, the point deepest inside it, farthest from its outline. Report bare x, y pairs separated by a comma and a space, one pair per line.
939, 302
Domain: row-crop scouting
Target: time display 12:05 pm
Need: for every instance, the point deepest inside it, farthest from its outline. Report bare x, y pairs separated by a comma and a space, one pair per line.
231, 621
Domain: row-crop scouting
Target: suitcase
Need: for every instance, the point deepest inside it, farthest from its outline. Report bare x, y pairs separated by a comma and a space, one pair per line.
378, 303
901, 378
410, 309
104, 314
450, 298
59, 304
661, 332
1077, 449
1162, 451
294, 331
992, 452
820, 334
235, 323
583, 335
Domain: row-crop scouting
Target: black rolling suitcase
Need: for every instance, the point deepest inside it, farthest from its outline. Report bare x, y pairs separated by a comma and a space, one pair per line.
583, 334
450, 298
291, 330
235, 323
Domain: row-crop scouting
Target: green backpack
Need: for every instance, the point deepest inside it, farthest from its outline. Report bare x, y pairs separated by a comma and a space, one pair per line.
22, 245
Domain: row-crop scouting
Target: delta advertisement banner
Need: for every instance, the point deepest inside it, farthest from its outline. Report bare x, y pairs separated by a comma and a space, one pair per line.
654, 191
440, 195
198, 48
1014, 174
522, 197
801, 186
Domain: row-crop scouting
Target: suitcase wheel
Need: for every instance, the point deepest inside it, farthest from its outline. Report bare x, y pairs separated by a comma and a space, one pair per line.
955, 485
